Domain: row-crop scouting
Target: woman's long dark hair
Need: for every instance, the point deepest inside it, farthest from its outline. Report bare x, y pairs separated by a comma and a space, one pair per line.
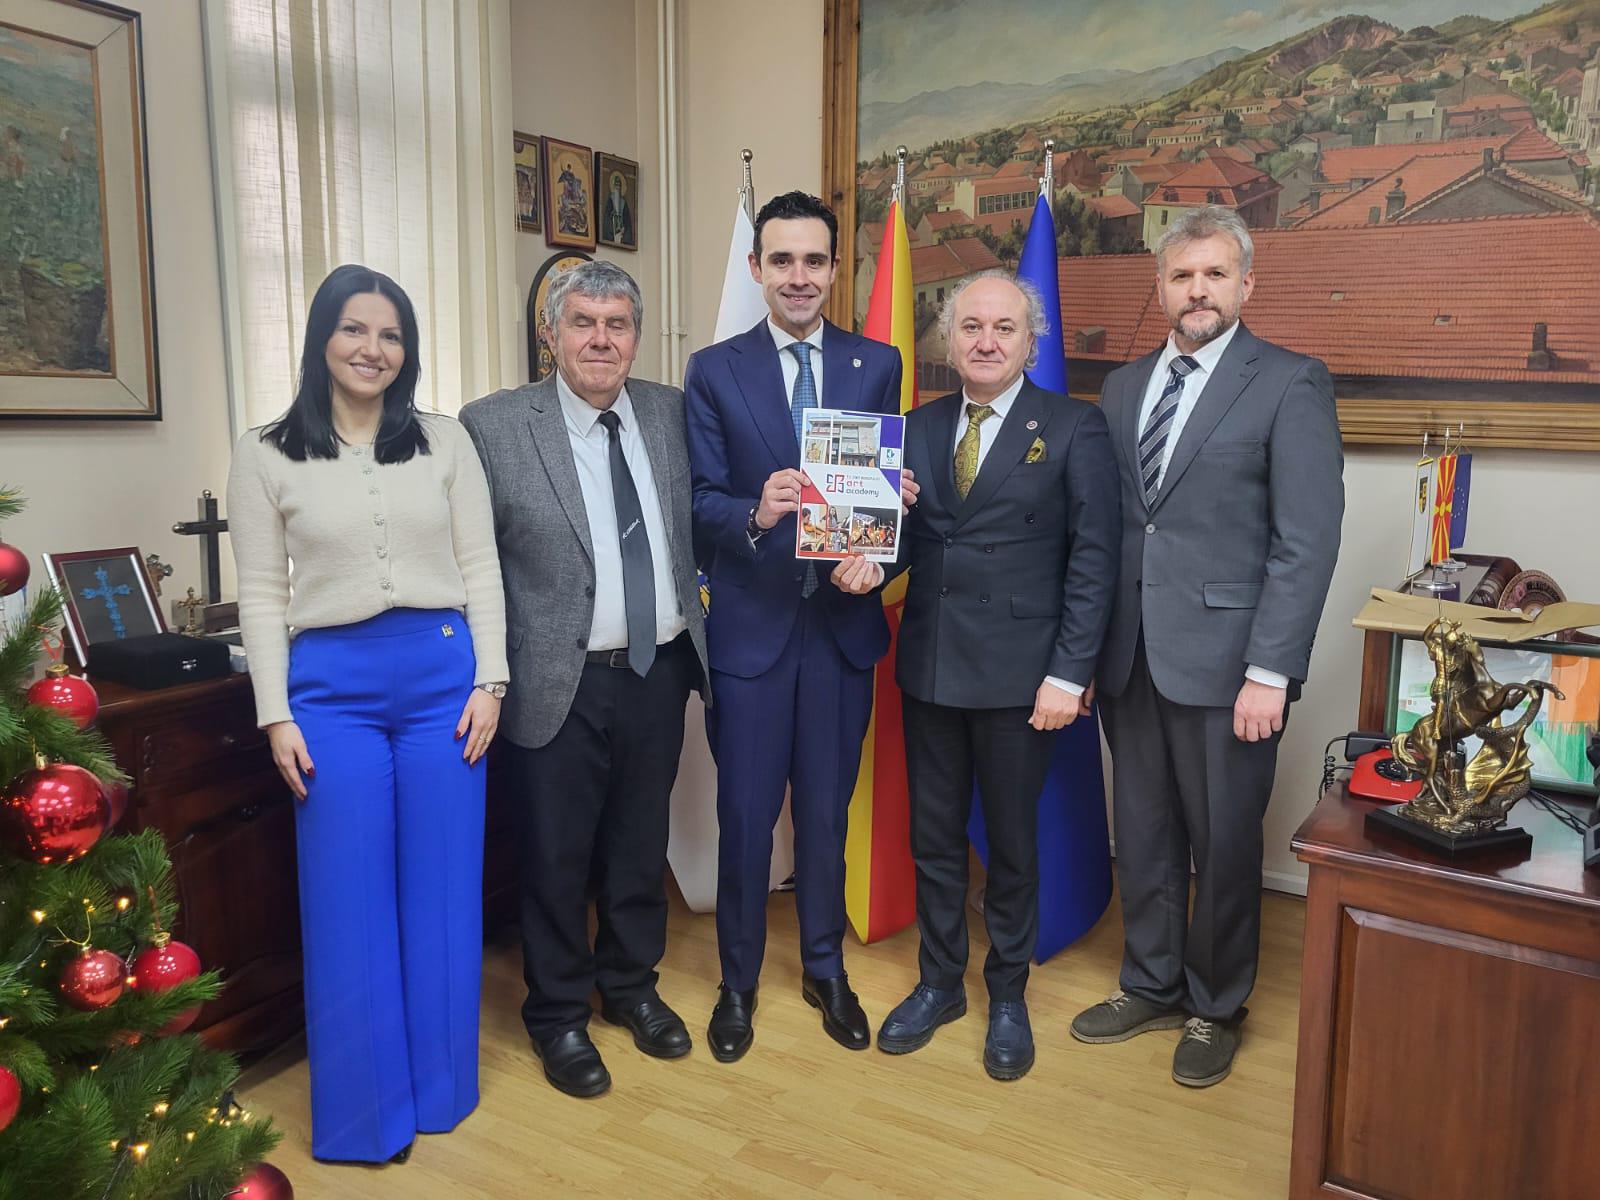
306, 430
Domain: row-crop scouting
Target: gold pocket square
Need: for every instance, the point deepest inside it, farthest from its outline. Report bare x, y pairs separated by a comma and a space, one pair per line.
1036, 452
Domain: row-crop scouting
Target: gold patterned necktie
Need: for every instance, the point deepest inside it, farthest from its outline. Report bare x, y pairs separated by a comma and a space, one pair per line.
967, 447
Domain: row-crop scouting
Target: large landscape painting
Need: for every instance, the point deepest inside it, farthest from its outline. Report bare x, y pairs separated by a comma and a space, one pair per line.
1420, 181
52, 241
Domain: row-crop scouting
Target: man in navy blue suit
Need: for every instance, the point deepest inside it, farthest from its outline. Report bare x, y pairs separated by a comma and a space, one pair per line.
791, 645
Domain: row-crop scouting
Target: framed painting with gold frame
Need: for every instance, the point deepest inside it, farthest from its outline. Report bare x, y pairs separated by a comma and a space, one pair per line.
525, 164
77, 299
569, 194
1539, 386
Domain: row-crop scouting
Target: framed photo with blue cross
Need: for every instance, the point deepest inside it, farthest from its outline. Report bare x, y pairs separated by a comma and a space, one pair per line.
106, 596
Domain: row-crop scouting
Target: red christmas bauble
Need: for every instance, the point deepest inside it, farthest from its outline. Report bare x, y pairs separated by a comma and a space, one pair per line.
165, 966
13, 569
54, 814
264, 1182
92, 980
10, 1096
117, 799
69, 695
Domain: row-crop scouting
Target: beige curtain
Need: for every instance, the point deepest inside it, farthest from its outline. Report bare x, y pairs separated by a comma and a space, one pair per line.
370, 131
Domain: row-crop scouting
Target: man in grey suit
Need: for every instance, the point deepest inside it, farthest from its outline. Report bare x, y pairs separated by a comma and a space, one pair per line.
589, 477
1232, 497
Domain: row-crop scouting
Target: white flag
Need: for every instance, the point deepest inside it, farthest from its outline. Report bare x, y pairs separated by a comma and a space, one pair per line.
742, 303
692, 841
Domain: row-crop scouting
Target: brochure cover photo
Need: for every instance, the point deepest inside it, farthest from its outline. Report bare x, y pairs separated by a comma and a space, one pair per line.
850, 502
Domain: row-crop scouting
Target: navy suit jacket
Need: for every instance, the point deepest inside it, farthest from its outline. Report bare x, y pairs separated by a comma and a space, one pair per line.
740, 432
1015, 582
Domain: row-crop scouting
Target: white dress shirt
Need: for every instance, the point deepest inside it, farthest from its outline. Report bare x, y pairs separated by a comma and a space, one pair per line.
1194, 383
592, 456
987, 433
790, 366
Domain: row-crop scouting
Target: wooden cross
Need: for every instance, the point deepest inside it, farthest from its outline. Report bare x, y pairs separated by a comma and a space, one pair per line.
209, 528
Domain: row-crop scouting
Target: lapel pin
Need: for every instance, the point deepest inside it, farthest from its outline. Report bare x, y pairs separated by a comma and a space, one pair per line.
1033, 425
855, 362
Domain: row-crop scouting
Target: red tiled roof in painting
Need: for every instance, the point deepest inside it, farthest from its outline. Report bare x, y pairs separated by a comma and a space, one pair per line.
950, 260
1530, 145
1368, 162
947, 219
1113, 207
1215, 181
1387, 301
1417, 177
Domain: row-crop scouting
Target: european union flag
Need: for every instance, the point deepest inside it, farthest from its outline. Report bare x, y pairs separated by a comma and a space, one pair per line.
1074, 844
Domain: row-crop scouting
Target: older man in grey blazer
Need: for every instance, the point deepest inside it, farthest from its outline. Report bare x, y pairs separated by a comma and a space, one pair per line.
589, 477
1232, 497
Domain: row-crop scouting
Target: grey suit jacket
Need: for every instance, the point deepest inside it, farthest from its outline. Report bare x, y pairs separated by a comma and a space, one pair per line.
546, 553
1230, 565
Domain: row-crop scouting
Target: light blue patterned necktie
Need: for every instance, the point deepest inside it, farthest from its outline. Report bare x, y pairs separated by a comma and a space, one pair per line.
805, 396
805, 389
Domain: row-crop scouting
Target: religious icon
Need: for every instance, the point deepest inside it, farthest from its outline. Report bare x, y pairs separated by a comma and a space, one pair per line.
618, 200
569, 194
525, 158
106, 596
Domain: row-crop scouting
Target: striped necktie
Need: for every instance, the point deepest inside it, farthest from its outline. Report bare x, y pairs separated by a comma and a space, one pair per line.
1153, 441
805, 389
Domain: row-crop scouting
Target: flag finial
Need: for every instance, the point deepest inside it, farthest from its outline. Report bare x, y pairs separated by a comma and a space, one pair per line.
899, 195
1047, 181
747, 189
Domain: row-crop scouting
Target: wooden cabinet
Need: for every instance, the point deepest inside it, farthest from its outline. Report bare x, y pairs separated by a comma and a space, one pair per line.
203, 776
1449, 1017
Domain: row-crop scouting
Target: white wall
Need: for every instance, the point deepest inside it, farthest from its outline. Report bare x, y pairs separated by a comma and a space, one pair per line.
98, 484
744, 85
1535, 507
751, 77
586, 73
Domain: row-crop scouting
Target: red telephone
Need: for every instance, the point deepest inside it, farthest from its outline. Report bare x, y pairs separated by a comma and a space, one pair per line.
1378, 775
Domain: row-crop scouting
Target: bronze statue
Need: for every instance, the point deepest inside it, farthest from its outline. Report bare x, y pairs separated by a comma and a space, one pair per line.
1461, 797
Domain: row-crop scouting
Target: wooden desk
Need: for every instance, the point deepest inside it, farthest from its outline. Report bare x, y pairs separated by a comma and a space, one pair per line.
203, 776
1449, 1018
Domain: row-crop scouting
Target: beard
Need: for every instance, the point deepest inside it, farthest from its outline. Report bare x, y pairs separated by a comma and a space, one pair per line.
1219, 324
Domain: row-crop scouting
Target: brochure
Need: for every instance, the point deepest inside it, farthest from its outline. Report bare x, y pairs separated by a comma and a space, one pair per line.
850, 503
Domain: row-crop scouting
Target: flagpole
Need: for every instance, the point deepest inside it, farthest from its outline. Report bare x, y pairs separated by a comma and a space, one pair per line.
1047, 181
898, 195
747, 189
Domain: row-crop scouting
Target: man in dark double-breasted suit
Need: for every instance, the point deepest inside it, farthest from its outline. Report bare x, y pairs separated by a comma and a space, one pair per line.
1011, 549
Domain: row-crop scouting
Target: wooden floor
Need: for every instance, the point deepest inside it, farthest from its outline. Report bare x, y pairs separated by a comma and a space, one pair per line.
800, 1116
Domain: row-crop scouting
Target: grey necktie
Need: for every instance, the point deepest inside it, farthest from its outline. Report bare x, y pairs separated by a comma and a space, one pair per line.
638, 574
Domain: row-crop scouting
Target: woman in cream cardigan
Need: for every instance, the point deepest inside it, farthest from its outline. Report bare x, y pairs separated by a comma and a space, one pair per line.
371, 605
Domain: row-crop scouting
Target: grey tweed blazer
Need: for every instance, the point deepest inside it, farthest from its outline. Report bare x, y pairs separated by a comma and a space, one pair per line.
546, 553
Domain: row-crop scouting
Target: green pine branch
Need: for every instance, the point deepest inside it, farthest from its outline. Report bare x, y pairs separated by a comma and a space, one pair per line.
11, 501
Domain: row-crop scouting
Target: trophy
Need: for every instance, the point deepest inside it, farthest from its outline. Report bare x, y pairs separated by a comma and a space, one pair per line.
1464, 800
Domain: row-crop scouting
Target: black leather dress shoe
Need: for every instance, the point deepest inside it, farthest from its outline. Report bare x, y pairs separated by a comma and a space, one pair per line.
841, 1011
1008, 1050
572, 1064
402, 1154
910, 1026
657, 1030
731, 1030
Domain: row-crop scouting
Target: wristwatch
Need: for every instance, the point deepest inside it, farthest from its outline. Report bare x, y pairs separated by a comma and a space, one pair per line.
497, 690
752, 530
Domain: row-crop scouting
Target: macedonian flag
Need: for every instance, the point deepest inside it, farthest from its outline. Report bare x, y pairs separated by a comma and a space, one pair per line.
880, 881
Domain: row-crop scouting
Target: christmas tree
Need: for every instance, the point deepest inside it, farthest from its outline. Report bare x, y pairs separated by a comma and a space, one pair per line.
102, 1094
